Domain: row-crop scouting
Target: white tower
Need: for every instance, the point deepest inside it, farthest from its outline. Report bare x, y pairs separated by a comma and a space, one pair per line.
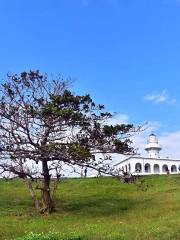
153, 148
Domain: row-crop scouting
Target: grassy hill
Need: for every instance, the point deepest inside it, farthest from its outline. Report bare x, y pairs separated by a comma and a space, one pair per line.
97, 209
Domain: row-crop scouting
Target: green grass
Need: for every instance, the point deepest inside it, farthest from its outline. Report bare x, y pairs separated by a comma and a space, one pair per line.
97, 209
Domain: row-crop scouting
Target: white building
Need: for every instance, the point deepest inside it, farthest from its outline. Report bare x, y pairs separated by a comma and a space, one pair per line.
152, 164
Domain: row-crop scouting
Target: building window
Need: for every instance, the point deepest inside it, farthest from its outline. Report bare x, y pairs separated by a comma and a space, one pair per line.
147, 168
173, 168
138, 167
156, 168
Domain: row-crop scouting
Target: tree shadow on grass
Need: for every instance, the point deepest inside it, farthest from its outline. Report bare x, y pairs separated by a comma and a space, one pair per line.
104, 206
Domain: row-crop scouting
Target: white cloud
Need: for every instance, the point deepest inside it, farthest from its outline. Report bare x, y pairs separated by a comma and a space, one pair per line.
161, 97
157, 97
140, 139
118, 119
170, 144
169, 141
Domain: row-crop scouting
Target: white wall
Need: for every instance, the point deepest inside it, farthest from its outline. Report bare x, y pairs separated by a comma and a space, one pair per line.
154, 169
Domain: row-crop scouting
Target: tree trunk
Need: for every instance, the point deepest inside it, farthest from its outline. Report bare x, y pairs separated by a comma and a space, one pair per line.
33, 195
47, 201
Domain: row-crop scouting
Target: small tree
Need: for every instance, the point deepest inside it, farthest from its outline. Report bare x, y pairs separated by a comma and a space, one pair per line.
44, 125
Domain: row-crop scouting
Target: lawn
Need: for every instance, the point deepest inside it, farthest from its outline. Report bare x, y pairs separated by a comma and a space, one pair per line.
99, 208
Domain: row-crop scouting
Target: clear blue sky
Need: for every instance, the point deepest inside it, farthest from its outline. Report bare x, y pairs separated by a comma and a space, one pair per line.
125, 53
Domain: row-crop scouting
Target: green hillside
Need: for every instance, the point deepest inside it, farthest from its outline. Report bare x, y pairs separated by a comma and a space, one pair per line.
97, 209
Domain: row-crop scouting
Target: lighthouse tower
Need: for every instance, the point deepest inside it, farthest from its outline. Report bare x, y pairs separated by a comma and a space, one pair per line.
153, 148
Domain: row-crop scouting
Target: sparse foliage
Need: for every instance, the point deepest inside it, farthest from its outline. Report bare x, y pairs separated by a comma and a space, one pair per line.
43, 126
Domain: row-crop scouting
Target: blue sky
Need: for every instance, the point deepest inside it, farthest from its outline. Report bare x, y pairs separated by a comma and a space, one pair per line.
125, 53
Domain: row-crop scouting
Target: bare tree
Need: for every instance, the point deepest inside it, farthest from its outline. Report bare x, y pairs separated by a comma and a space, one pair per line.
43, 125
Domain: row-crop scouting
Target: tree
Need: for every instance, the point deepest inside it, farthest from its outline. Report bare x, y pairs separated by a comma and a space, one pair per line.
43, 125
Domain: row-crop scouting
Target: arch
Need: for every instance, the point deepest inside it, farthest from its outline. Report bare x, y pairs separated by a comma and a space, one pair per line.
129, 165
173, 168
138, 167
156, 168
165, 168
147, 168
